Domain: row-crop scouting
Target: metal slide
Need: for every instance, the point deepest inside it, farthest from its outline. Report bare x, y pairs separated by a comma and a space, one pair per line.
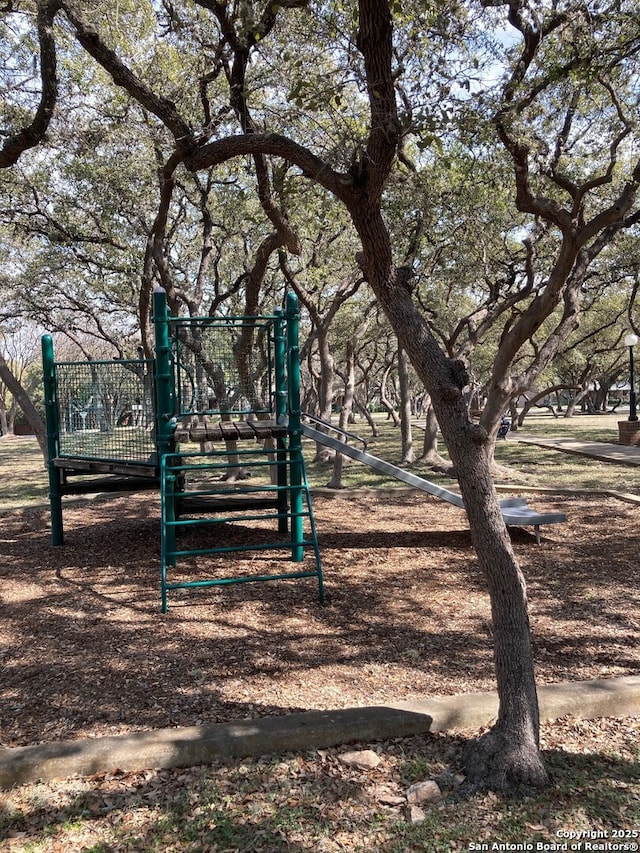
515, 511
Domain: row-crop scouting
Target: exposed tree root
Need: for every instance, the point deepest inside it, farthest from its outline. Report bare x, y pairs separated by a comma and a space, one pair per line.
324, 456
236, 475
438, 464
333, 484
504, 472
500, 761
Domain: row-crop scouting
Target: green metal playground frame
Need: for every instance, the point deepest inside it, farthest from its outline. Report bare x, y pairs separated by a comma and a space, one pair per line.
122, 425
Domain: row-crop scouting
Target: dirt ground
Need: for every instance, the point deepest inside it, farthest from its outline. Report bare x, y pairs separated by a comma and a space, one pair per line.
85, 650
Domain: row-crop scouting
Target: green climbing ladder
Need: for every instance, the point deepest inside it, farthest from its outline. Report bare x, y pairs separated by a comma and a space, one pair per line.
220, 383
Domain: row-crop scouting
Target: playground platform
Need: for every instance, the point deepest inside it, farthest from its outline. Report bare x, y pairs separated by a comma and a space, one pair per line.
180, 422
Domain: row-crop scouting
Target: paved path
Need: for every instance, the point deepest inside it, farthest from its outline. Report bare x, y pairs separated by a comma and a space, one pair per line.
603, 451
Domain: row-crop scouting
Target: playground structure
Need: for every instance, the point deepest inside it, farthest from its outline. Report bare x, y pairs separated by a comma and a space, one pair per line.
215, 383
127, 425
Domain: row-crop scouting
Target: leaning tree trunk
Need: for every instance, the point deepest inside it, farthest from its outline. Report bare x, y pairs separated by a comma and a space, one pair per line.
430, 455
571, 406
509, 753
529, 404
577, 398
24, 401
364, 411
384, 399
5, 427
325, 391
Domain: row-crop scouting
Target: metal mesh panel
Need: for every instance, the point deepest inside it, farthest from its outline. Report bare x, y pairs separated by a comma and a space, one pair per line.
106, 410
223, 366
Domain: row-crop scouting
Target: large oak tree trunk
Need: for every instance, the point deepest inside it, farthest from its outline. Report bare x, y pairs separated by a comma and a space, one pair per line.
509, 754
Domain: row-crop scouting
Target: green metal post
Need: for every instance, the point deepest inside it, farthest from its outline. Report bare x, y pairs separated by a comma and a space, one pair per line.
280, 367
164, 374
53, 438
295, 433
165, 407
167, 532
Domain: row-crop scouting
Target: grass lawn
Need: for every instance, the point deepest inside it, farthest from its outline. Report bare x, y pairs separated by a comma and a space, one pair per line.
532, 467
23, 478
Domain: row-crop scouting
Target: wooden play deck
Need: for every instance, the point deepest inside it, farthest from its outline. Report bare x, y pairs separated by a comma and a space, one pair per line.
205, 429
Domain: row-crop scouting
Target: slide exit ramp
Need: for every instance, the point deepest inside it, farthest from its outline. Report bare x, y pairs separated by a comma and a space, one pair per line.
515, 511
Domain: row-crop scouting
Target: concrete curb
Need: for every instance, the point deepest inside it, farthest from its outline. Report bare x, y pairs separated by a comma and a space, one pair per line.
188, 746
184, 747
615, 697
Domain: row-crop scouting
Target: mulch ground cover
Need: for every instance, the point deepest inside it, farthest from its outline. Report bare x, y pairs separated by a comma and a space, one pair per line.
85, 650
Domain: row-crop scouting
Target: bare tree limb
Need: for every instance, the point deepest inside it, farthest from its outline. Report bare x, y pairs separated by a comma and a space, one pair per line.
34, 133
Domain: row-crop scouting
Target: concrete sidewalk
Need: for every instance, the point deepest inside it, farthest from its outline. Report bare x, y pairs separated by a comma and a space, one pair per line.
184, 747
620, 454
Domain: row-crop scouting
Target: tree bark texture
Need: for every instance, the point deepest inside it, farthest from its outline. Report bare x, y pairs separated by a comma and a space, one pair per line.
510, 754
430, 455
345, 412
384, 397
325, 390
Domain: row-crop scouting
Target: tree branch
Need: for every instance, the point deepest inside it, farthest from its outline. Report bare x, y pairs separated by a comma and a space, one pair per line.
375, 37
162, 108
30, 136
311, 166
